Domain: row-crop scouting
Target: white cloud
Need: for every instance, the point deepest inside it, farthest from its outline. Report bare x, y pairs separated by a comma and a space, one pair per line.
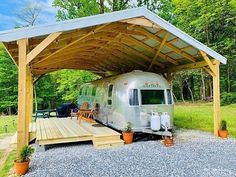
47, 7
48, 14
7, 21
7, 18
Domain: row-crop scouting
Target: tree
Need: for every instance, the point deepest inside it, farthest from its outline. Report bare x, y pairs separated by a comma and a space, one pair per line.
153, 5
101, 3
166, 11
68, 82
118, 4
76, 8
8, 82
29, 14
213, 23
46, 89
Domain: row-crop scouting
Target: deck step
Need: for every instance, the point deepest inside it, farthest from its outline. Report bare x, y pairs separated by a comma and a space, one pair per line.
106, 138
108, 144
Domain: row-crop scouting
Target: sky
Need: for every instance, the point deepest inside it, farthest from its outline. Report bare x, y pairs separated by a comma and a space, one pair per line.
10, 8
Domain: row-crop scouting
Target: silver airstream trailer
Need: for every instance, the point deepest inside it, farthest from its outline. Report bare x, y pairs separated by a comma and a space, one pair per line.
129, 97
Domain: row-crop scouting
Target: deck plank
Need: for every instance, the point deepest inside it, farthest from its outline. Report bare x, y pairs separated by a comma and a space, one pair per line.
47, 130
77, 128
68, 126
43, 129
54, 130
38, 132
57, 123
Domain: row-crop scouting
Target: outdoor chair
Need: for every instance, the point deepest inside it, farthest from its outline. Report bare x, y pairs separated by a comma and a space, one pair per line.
84, 112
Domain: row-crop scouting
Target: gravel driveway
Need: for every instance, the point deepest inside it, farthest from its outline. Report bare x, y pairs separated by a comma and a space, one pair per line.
195, 154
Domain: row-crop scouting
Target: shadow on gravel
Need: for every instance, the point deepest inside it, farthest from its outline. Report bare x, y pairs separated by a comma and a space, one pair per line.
63, 145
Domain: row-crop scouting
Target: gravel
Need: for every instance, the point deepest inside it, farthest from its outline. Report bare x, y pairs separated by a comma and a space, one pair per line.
195, 153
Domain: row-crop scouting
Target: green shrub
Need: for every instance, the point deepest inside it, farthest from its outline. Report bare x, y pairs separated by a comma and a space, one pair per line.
128, 127
223, 125
25, 153
228, 98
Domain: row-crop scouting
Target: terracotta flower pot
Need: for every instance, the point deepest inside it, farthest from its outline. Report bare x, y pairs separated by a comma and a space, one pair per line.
223, 133
21, 168
128, 137
168, 141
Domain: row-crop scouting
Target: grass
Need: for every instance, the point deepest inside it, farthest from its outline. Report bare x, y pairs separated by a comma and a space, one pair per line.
1, 153
8, 164
10, 123
7, 127
200, 116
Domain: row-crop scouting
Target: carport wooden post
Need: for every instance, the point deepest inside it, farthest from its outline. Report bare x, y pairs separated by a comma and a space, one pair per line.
25, 96
214, 71
216, 97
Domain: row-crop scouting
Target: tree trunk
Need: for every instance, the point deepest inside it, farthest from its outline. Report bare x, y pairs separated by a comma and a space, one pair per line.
192, 86
176, 100
35, 98
210, 87
9, 112
228, 78
102, 6
203, 85
182, 91
190, 91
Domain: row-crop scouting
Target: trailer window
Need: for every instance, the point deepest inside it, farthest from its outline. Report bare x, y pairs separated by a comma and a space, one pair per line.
152, 97
109, 102
133, 97
110, 88
169, 97
94, 91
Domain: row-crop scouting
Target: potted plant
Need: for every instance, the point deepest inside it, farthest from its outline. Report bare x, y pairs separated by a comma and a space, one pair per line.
128, 134
22, 164
168, 141
223, 132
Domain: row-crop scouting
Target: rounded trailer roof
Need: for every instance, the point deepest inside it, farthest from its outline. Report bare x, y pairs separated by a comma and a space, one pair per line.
119, 42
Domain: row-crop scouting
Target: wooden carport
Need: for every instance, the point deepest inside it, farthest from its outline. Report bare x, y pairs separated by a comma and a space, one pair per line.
116, 42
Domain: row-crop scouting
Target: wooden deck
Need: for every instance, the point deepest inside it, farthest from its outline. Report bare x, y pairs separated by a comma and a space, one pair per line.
32, 131
65, 130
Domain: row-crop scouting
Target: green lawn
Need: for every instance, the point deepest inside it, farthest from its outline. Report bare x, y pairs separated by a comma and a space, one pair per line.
1, 153
200, 116
4, 172
10, 122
